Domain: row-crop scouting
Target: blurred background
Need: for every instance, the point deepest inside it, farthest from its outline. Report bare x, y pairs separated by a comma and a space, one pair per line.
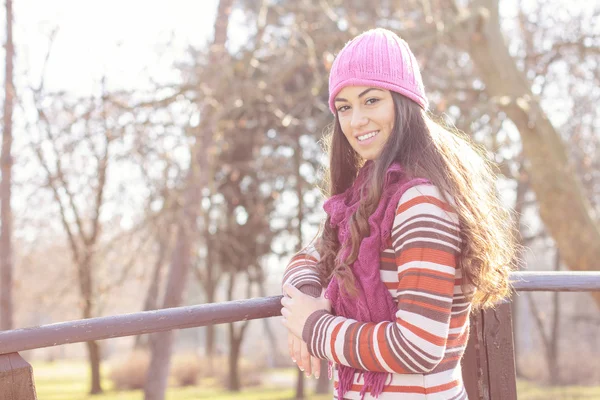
158, 154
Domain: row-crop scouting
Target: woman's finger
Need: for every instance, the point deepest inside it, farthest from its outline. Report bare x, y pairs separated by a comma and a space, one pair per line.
315, 366
285, 301
291, 346
298, 353
305, 359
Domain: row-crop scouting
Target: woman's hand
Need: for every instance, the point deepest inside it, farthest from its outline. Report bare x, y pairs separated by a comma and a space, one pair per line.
297, 307
299, 352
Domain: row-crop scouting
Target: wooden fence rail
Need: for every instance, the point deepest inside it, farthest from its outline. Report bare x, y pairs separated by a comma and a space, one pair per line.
488, 364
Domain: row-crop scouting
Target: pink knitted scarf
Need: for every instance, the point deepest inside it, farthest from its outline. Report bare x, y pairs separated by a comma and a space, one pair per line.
378, 305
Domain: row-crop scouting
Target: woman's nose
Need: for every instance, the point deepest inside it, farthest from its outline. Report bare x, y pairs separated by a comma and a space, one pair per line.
358, 120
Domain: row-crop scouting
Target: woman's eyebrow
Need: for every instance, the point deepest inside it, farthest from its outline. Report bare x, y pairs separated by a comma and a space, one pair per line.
360, 95
367, 91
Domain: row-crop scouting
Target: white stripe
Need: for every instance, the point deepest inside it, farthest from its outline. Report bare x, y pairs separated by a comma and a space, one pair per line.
426, 265
427, 208
339, 343
375, 344
357, 346
400, 221
401, 348
421, 321
321, 335
424, 239
428, 295
388, 276
426, 190
422, 345
396, 345
422, 228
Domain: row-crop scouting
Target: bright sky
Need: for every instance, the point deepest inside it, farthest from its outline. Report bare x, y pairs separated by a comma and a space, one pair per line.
123, 40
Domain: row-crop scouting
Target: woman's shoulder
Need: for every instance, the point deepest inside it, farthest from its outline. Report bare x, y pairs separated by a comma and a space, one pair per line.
427, 194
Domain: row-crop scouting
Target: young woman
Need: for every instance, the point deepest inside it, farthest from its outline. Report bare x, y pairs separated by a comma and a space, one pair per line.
415, 237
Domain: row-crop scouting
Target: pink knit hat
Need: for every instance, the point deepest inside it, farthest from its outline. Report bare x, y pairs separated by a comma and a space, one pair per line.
378, 58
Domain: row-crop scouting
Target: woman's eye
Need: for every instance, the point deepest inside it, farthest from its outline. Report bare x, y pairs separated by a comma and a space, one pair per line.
342, 108
372, 100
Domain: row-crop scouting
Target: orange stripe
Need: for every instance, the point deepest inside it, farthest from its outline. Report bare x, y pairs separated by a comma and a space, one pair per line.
304, 257
388, 260
394, 389
458, 320
367, 357
445, 310
391, 285
442, 388
298, 264
422, 200
407, 389
421, 282
457, 342
334, 336
426, 271
387, 354
424, 254
352, 354
291, 269
423, 334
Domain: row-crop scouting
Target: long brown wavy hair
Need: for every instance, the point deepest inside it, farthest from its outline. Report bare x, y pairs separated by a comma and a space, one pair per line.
458, 167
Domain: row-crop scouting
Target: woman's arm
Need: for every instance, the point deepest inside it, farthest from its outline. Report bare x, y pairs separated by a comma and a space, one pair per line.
300, 272
426, 240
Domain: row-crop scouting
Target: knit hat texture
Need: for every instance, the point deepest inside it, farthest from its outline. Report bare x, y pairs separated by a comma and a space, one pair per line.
377, 58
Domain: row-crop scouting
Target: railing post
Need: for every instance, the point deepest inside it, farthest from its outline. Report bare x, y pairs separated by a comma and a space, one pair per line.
489, 361
16, 378
499, 346
474, 361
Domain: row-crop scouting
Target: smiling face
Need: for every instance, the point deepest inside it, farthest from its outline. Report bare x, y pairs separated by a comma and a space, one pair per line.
366, 116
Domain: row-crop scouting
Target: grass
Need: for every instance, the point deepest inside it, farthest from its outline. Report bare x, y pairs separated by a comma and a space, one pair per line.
66, 380
531, 391
69, 380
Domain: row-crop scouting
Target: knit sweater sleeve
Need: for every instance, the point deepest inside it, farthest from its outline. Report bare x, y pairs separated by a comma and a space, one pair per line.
425, 240
300, 272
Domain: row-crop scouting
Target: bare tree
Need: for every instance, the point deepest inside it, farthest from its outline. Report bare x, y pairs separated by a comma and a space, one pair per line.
552, 175
80, 222
300, 216
161, 344
151, 301
6, 161
550, 339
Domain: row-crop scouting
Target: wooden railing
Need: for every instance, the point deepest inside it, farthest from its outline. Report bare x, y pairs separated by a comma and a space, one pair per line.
488, 363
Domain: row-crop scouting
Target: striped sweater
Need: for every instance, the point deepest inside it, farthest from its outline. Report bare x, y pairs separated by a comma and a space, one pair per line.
423, 347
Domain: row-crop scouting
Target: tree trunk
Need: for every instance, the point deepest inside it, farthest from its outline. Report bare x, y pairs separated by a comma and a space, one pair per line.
235, 342
516, 303
271, 337
151, 301
300, 216
300, 385
217, 51
210, 333
161, 343
6, 261
549, 340
323, 381
85, 287
210, 288
553, 361
552, 176
94, 357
